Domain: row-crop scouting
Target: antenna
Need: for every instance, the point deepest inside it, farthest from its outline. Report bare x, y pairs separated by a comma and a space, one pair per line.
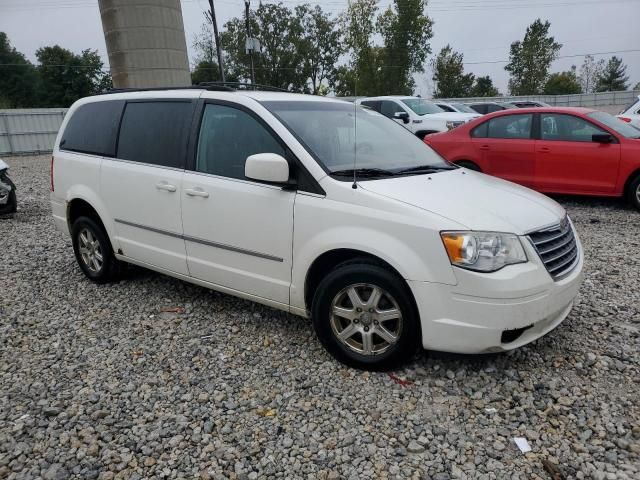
355, 130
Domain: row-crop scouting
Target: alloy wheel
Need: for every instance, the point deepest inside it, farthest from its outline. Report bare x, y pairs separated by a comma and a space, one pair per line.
90, 250
366, 319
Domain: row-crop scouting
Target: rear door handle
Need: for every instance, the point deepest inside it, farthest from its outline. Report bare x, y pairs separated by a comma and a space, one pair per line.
484, 147
196, 192
167, 187
544, 149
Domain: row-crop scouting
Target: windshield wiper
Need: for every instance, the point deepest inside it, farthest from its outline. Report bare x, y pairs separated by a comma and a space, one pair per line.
364, 172
424, 169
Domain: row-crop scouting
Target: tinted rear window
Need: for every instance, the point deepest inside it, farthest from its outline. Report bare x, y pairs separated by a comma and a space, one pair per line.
155, 132
92, 128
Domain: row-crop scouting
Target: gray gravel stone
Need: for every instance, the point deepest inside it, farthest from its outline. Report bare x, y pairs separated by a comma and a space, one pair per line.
97, 381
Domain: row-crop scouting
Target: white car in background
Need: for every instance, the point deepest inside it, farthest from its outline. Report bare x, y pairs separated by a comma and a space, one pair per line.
456, 107
416, 114
631, 114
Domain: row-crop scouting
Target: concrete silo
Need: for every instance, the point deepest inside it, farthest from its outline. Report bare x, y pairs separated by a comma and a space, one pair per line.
145, 42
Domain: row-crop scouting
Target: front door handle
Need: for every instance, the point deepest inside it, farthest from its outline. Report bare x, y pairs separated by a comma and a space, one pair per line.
167, 187
544, 150
196, 192
484, 147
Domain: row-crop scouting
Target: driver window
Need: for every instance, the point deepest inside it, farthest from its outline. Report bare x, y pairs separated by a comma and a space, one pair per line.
388, 108
510, 126
227, 137
567, 128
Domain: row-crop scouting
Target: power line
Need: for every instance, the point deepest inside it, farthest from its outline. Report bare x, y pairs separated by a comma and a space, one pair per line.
559, 57
294, 68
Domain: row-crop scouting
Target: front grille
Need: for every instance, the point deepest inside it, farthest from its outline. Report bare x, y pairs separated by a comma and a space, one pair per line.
557, 248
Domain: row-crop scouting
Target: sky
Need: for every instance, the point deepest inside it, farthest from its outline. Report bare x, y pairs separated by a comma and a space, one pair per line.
482, 30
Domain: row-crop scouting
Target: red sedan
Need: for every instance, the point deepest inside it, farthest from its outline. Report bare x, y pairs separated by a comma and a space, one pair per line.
553, 150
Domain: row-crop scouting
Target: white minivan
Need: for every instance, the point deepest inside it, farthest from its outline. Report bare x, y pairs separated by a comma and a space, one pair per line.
317, 207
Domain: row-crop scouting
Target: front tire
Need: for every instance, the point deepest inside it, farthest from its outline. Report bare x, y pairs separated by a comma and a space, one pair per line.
93, 251
11, 206
365, 316
633, 193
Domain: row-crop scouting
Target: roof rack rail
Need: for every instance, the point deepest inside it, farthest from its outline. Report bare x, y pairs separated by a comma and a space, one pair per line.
241, 86
221, 88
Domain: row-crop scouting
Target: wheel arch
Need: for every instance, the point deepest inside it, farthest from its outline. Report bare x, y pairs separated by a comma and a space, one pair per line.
630, 178
79, 205
458, 161
330, 259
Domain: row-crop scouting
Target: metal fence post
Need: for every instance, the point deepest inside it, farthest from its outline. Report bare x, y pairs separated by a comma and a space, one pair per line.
6, 129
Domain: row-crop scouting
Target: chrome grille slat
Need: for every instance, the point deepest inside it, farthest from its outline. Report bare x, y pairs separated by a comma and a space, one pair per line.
547, 240
559, 253
563, 263
557, 248
569, 238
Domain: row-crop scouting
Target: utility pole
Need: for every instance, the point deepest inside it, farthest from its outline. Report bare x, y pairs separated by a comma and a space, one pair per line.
217, 39
250, 44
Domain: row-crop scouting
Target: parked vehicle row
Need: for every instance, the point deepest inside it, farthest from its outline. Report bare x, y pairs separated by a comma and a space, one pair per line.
419, 116
552, 150
318, 207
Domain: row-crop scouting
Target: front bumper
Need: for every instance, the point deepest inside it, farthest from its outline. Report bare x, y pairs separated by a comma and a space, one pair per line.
497, 311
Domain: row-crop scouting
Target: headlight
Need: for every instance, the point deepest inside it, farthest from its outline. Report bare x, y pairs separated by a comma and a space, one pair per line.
483, 251
451, 124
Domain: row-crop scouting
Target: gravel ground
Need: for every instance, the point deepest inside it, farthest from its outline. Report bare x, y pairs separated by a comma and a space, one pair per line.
108, 382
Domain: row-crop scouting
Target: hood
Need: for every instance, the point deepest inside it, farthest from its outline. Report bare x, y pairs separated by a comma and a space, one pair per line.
473, 199
455, 116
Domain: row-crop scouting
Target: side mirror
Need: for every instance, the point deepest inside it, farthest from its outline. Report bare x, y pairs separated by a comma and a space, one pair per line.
267, 167
602, 138
404, 116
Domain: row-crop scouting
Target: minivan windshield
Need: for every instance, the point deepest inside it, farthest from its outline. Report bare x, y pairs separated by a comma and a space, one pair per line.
421, 106
616, 124
330, 133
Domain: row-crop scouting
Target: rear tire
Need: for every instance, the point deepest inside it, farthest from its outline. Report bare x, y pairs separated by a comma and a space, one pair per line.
93, 251
469, 165
633, 192
365, 316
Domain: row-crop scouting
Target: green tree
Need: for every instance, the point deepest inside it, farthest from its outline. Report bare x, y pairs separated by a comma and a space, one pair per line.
484, 88
206, 57
206, 72
66, 76
362, 76
563, 83
280, 62
406, 31
614, 76
18, 77
590, 71
637, 87
448, 75
320, 47
530, 59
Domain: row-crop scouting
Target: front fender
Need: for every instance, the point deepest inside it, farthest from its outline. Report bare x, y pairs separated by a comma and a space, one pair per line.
414, 251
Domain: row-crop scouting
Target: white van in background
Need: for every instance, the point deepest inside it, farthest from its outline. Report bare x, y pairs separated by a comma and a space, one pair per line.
419, 116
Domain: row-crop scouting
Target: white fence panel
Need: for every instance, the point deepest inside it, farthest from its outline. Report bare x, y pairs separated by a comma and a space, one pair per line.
24, 131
